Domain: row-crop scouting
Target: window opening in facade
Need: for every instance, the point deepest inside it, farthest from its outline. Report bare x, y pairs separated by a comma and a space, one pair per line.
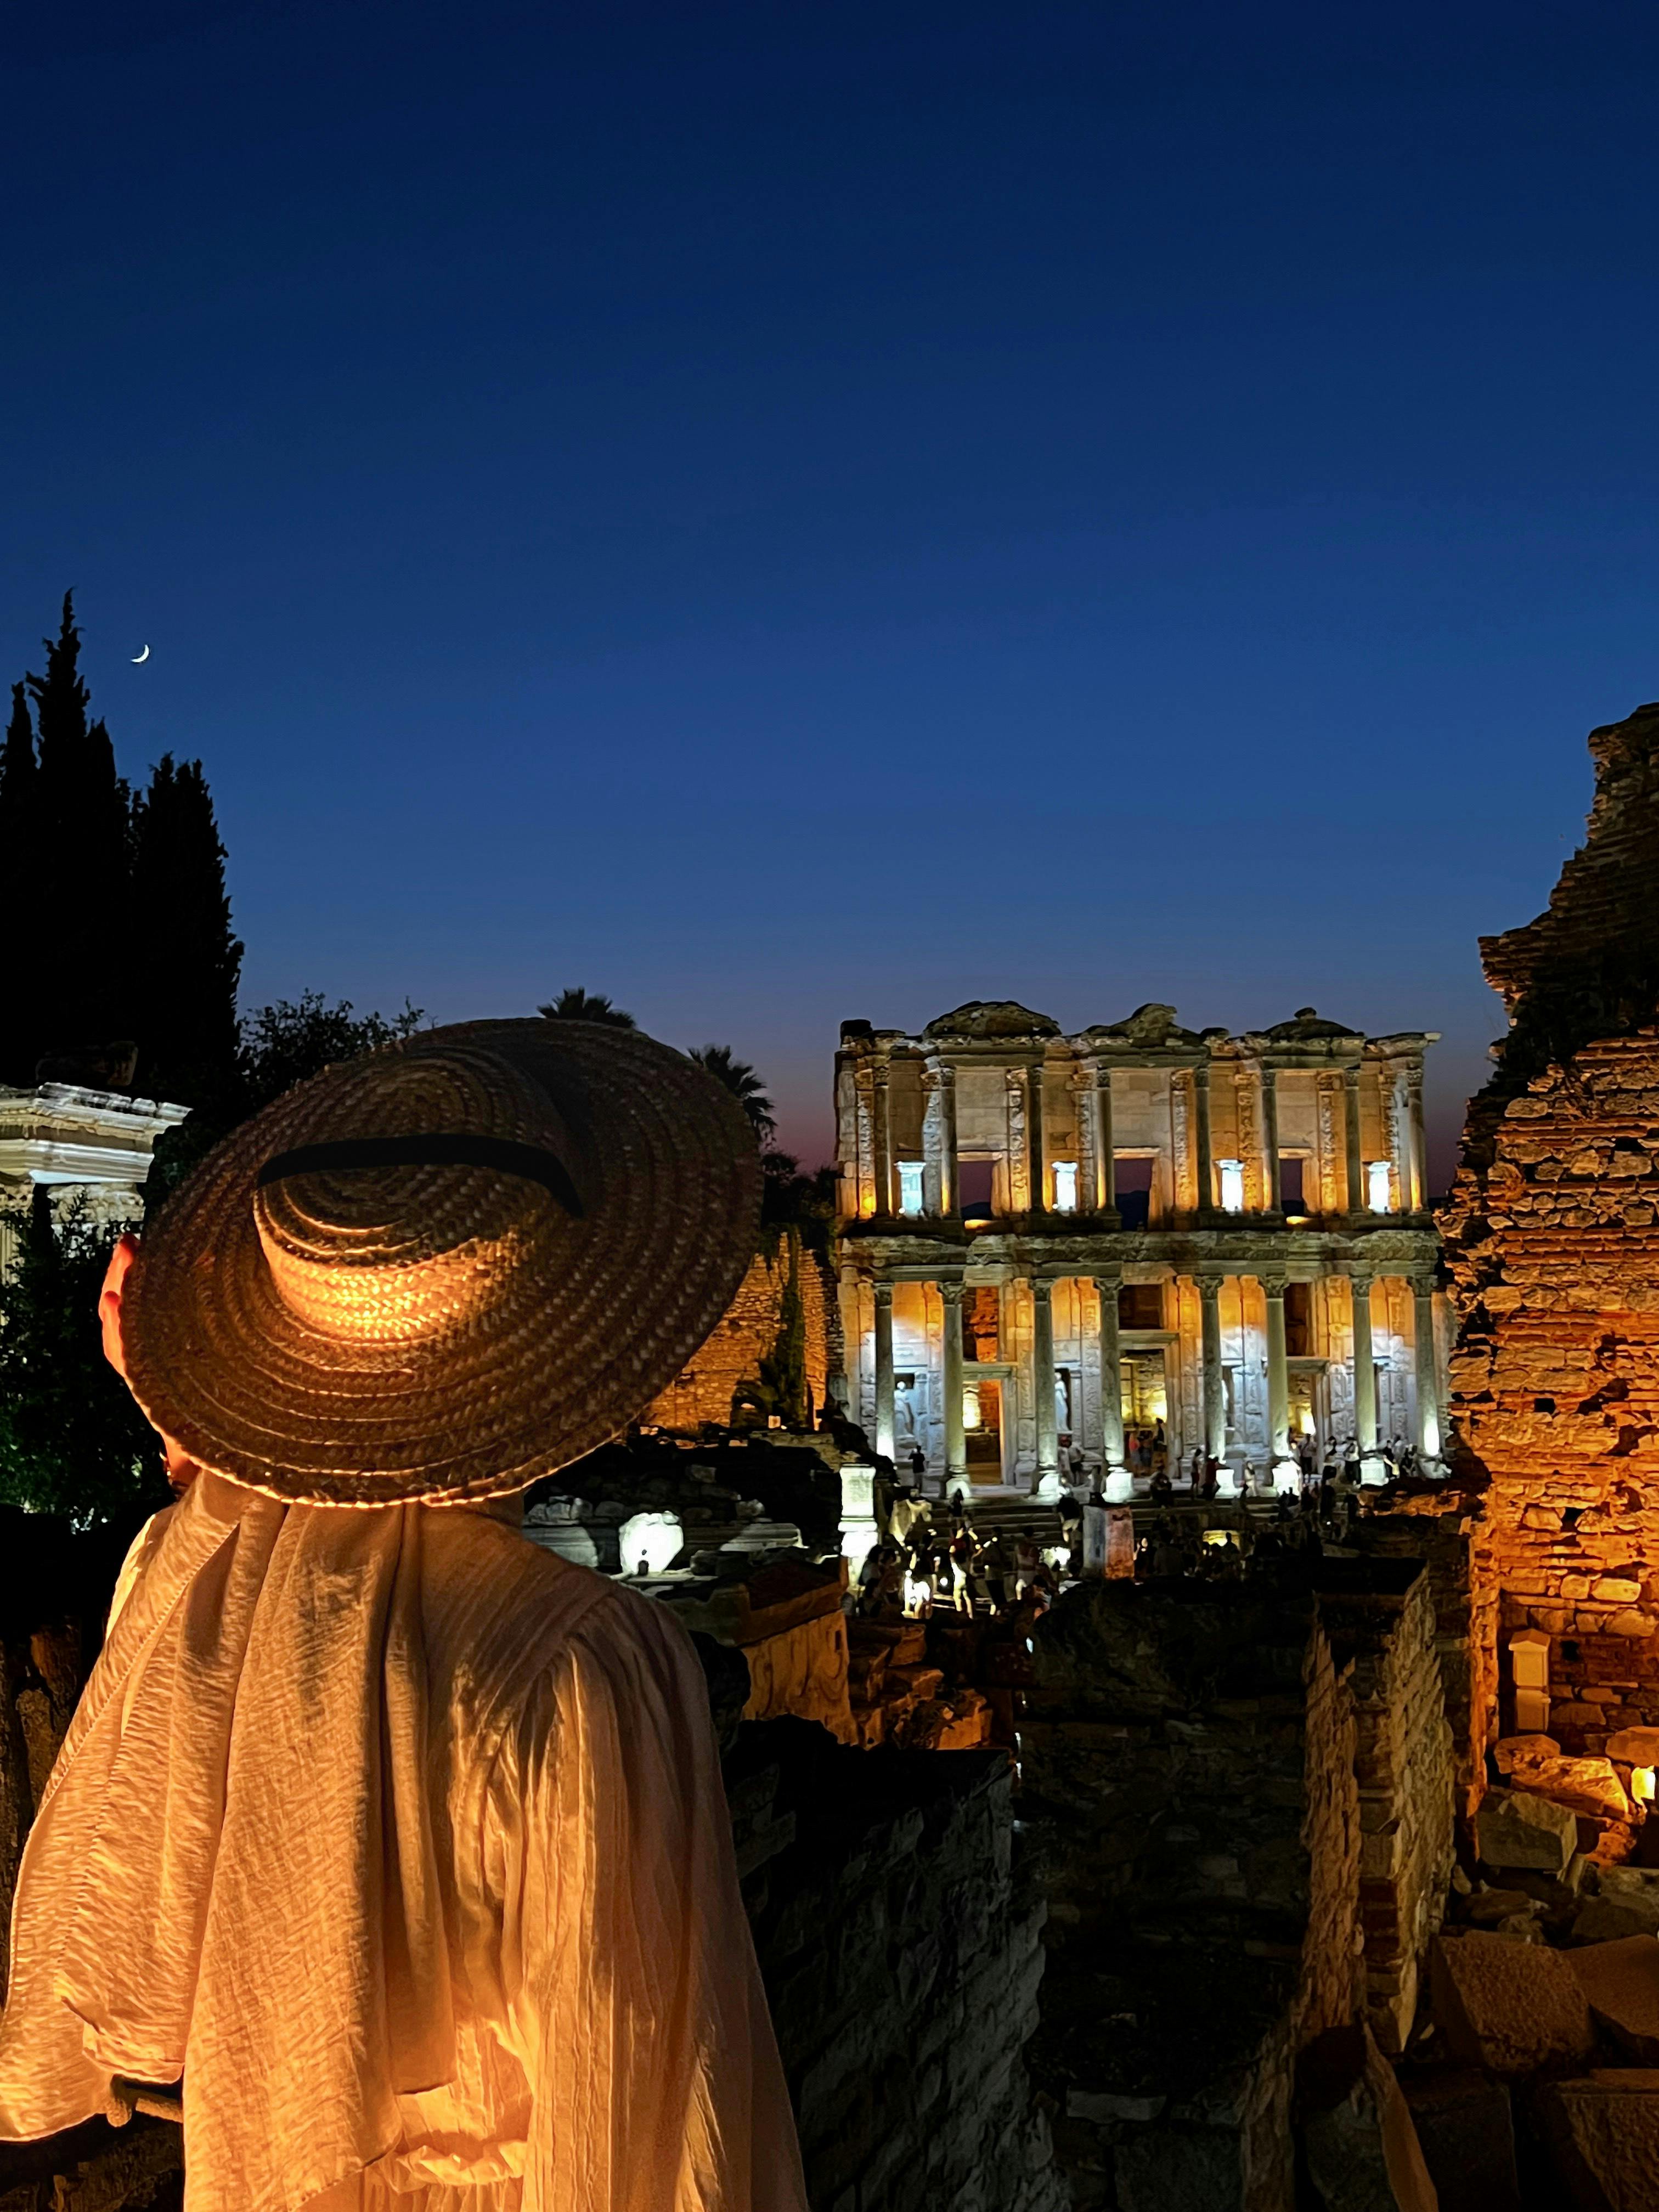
1378, 1197
1298, 1320
1140, 1305
1065, 1186
1291, 1198
1231, 1174
909, 1178
976, 1181
1133, 1176
981, 1321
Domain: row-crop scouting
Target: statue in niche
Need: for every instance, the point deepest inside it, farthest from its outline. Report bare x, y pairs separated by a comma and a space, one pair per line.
904, 1414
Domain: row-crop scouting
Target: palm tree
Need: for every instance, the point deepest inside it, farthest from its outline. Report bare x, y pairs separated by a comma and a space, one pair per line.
744, 1086
575, 1005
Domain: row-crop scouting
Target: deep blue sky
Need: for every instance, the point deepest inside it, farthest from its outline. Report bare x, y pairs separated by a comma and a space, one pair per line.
795, 512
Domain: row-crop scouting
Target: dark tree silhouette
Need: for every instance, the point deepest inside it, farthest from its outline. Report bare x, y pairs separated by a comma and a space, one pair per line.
575, 1005
71, 1440
744, 1083
187, 963
82, 823
21, 883
280, 1046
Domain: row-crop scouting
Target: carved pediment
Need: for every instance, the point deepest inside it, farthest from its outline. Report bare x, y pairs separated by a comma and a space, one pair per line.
992, 1018
1305, 1027
1150, 1027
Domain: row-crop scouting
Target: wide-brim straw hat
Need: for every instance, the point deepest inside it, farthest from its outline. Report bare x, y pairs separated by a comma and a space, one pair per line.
445, 1270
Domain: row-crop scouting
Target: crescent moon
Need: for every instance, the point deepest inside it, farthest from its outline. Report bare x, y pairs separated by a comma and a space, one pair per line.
138, 657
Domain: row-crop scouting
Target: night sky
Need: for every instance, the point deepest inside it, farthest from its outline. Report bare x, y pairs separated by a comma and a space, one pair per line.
789, 512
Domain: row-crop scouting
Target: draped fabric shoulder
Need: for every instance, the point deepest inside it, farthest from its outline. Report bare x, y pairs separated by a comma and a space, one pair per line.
402, 1843
630, 1975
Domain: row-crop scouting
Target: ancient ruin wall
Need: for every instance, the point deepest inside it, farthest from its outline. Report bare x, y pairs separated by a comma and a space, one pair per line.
744, 1335
900, 1942
1550, 1240
1403, 1766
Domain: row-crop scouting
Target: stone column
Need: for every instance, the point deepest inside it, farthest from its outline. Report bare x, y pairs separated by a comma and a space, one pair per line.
1215, 1396
1270, 1189
859, 1534
1201, 1120
950, 1199
1419, 1150
1105, 1158
1427, 1366
1279, 1380
1356, 1174
1117, 1483
1365, 1373
881, 1145
955, 1443
1035, 1164
1042, 1382
884, 1369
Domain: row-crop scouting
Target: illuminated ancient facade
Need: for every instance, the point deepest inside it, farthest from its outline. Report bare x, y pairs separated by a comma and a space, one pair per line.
94, 1144
1233, 1227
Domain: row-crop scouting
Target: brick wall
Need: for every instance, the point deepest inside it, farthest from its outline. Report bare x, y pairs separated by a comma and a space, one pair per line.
900, 1942
1244, 1805
1404, 1770
1553, 1251
745, 1335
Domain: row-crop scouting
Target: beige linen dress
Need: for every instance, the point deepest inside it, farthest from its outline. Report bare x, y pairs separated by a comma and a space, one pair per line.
404, 1843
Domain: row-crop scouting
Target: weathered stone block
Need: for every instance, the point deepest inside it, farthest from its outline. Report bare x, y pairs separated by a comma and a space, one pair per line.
1621, 1981
1181, 2170
1604, 2133
1357, 2137
1510, 2007
1514, 1830
1466, 2132
1513, 1751
1635, 1747
1605, 1920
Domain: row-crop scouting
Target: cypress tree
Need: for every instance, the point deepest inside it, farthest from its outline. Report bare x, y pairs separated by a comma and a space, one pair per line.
186, 963
83, 828
20, 874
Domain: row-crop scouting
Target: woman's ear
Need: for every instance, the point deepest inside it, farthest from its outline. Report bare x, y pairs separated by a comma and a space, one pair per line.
109, 1300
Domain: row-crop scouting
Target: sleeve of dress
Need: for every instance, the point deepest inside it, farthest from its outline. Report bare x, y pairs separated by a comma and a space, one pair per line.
627, 1961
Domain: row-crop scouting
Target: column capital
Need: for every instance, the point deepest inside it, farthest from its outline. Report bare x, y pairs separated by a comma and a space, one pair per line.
1043, 1288
1209, 1285
1272, 1285
883, 1293
1111, 1276
1200, 1071
1351, 1075
879, 1071
953, 1293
